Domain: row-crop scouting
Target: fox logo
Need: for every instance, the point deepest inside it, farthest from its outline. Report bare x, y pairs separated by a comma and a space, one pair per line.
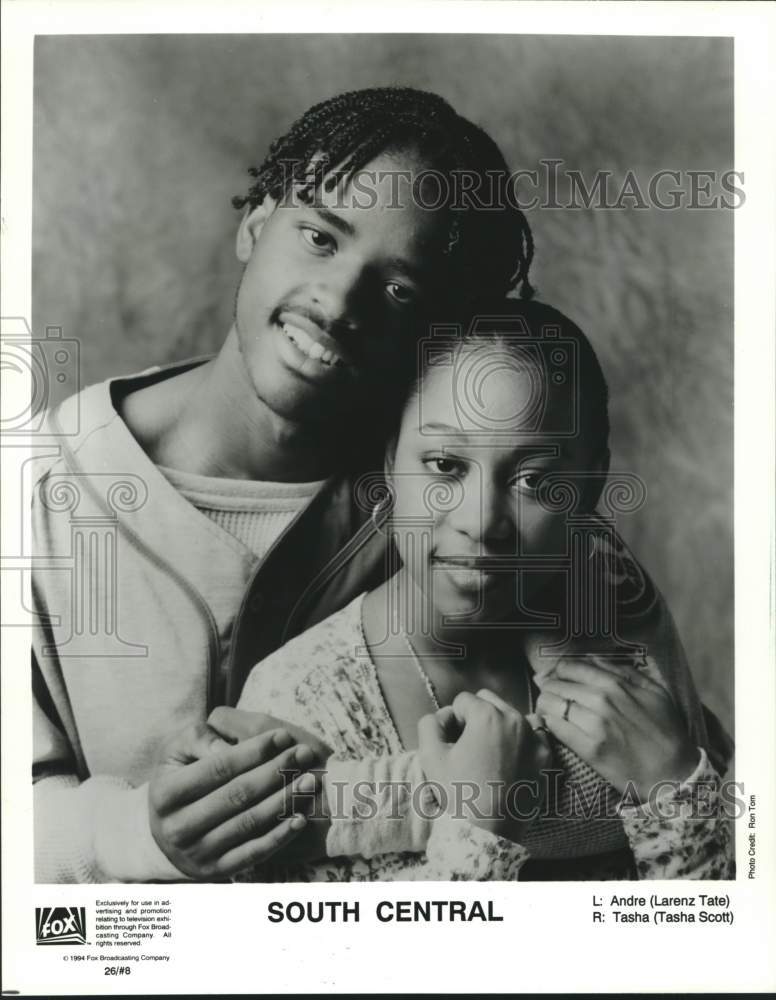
60, 924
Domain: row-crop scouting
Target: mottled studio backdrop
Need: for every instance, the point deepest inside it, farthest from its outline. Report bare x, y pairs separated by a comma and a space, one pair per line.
141, 141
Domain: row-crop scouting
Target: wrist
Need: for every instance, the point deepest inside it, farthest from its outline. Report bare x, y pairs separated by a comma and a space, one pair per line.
673, 773
459, 849
667, 794
684, 765
126, 845
399, 805
496, 811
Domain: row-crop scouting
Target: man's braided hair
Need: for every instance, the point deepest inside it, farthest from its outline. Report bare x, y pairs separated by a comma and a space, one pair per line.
491, 249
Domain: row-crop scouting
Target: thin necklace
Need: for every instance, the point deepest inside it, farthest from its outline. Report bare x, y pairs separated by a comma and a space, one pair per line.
423, 675
432, 690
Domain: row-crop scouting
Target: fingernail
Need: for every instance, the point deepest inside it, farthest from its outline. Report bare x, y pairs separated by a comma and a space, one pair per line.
298, 822
304, 755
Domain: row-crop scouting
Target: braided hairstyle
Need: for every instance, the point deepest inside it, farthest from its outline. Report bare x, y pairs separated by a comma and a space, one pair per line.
491, 251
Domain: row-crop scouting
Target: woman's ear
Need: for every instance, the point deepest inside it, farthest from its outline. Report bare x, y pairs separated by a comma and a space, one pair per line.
252, 223
595, 484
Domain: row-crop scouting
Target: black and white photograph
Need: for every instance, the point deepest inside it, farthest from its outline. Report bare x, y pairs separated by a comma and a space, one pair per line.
374, 517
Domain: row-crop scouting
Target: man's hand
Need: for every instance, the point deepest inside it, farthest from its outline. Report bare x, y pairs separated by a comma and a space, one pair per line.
481, 750
237, 724
215, 809
623, 723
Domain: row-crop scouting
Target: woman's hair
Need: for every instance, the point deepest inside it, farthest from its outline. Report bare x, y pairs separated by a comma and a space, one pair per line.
490, 247
536, 336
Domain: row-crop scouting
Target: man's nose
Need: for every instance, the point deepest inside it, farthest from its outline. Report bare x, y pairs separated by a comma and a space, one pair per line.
340, 295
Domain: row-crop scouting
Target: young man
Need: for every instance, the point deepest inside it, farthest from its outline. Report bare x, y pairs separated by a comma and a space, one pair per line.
228, 486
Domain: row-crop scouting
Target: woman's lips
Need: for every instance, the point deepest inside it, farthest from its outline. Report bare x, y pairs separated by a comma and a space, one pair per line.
472, 562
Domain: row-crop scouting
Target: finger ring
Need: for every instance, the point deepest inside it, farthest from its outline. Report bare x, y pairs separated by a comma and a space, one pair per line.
567, 709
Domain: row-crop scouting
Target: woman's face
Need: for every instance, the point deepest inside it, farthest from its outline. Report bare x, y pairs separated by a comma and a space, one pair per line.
471, 453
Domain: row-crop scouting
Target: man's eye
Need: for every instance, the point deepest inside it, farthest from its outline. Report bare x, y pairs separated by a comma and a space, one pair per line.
400, 293
444, 466
317, 239
528, 481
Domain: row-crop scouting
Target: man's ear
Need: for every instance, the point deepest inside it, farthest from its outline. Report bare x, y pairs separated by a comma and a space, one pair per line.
595, 485
252, 223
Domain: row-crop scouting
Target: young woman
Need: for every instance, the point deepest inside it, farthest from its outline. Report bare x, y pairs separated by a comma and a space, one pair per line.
497, 655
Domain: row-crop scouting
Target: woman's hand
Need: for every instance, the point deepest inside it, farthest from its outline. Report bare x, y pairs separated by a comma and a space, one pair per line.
488, 759
623, 723
235, 724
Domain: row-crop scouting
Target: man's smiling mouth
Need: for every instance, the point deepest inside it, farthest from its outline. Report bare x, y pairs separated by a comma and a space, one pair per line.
310, 340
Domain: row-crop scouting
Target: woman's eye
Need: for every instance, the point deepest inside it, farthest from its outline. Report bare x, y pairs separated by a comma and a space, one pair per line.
444, 466
317, 239
400, 293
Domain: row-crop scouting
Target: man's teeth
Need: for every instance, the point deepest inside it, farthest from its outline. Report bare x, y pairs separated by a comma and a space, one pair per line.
306, 344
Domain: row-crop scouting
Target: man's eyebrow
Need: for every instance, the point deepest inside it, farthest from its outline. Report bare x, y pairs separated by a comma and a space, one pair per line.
336, 221
414, 271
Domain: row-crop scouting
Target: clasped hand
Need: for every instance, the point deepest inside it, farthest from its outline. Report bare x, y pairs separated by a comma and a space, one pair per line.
488, 760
